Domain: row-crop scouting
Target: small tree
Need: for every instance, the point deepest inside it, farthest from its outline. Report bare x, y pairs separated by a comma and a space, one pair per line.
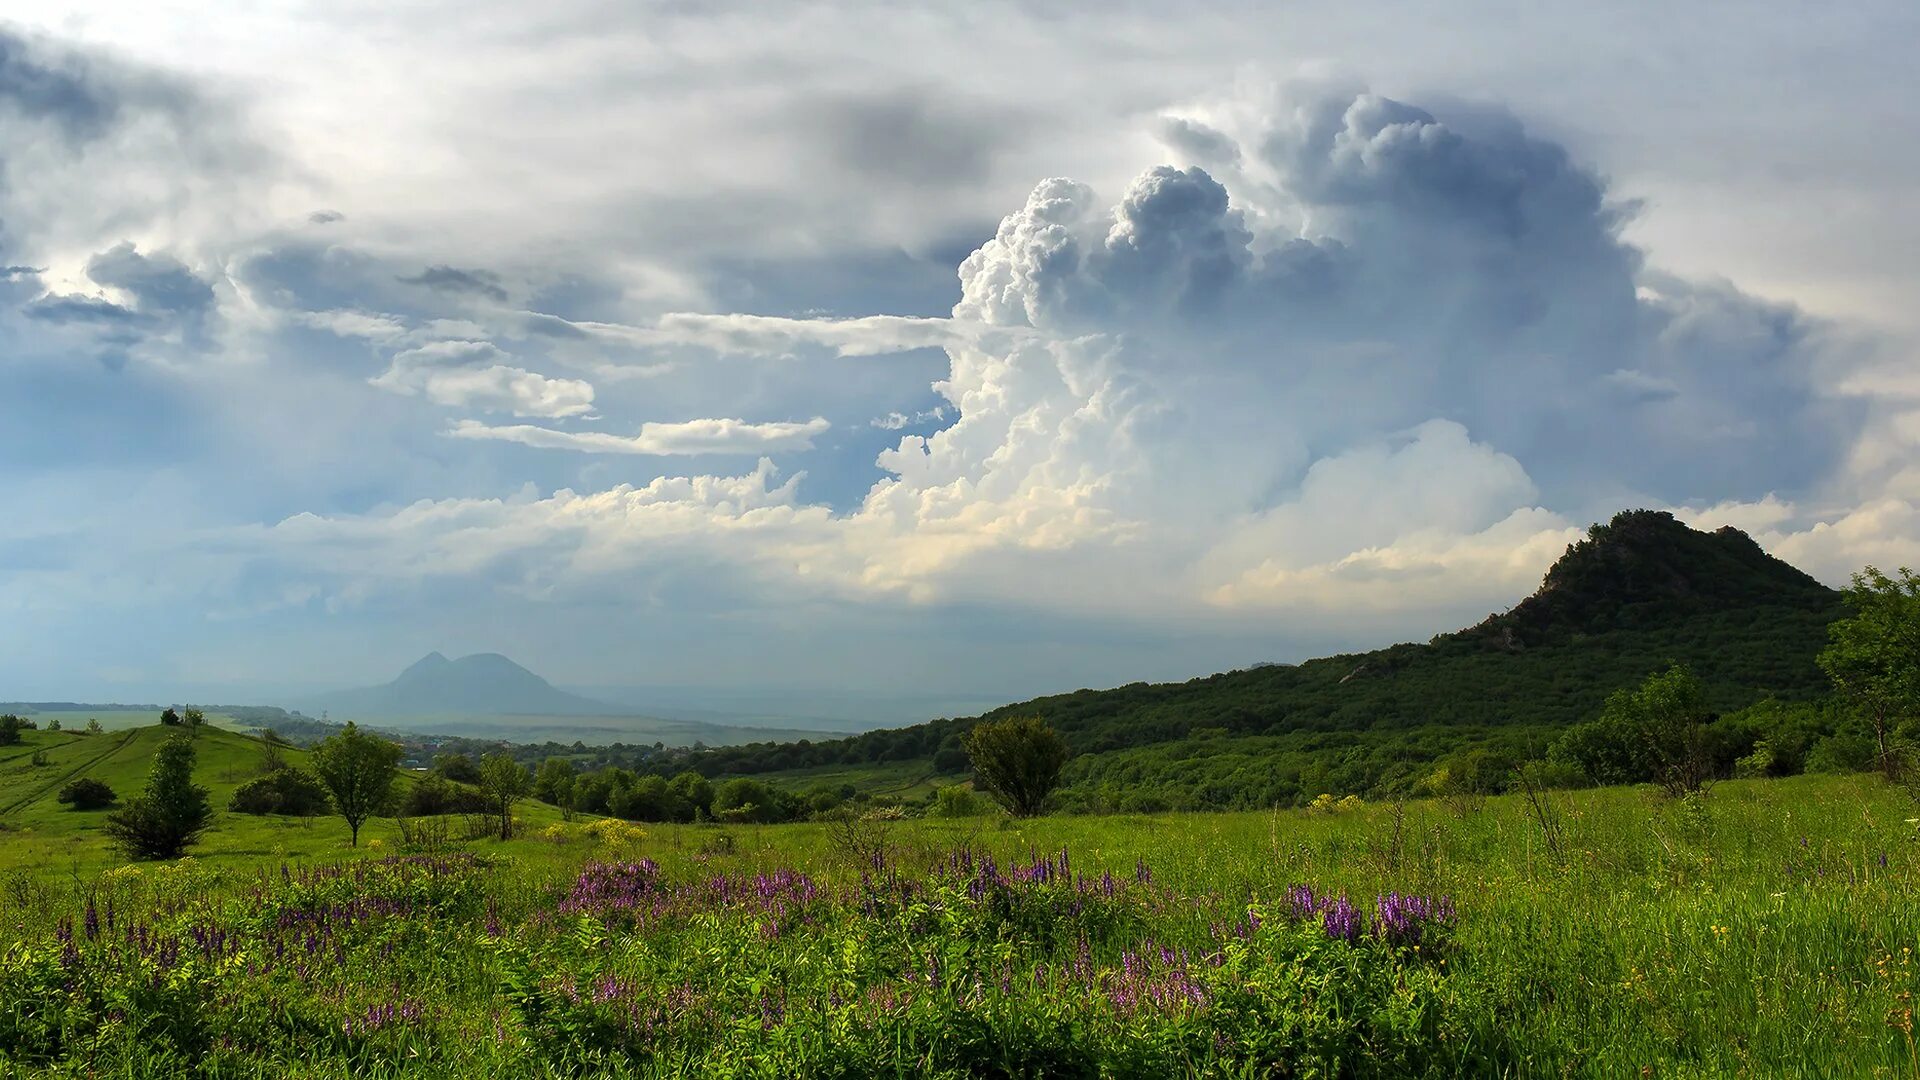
170, 718
1017, 761
554, 782
93, 726
1669, 715
171, 814
458, 768
358, 770
53, 724
1874, 658
10, 728
506, 782
193, 720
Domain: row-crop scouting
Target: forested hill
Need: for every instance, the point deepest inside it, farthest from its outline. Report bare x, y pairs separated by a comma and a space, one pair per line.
1638, 593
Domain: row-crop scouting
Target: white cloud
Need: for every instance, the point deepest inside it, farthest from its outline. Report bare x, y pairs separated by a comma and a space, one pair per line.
708, 436
354, 324
474, 374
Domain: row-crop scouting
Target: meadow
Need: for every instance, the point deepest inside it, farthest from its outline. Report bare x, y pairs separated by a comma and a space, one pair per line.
1766, 928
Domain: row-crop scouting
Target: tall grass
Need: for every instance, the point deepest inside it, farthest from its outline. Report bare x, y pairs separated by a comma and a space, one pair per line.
1765, 929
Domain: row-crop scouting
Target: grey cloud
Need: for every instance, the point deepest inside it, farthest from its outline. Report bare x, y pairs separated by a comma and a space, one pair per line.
912, 135
1196, 140
86, 310
43, 83
326, 217
450, 280
159, 283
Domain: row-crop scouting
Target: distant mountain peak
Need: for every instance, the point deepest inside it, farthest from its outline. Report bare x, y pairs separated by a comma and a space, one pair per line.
1647, 559
481, 684
432, 662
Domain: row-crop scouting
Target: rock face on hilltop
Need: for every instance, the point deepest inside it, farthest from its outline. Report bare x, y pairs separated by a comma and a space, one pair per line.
1646, 567
486, 684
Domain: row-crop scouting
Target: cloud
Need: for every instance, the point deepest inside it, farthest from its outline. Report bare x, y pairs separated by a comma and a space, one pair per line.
353, 324
326, 217
475, 374
160, 284
717, 436
447, 279
72, 308
1401, 372
895, 421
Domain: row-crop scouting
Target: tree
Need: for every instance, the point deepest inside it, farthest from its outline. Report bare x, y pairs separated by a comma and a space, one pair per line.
458, 768
85, 793
506, 782
1017, 761
554, 782
170, 718
1874, 658
193, 720
93, 726
694, 790
1668, 713
53, 724
358, 770
171, 814
10, 728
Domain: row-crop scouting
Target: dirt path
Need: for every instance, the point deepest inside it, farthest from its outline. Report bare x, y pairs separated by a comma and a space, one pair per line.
60, 779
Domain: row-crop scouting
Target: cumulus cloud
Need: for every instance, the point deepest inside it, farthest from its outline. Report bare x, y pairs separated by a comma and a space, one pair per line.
476, 374
1403, 368
711, 436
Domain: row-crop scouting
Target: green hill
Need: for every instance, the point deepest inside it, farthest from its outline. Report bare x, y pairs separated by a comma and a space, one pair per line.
1635, 595
38, 831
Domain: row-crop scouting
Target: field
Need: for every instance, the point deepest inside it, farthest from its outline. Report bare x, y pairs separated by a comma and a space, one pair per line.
1766, 929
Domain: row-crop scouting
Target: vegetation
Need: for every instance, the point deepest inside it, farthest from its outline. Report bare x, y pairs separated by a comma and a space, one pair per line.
170, 814
505, 782
1017, 761
284, 790
1760, 931
1636, 596
1874, 661
358, 770
86, 793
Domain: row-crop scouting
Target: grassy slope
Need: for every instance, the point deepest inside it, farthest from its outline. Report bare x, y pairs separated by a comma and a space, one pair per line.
1759, 931
40, 831
123, 719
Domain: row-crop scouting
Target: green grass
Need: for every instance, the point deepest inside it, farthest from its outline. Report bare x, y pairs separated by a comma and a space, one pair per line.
1766, 929
124, 719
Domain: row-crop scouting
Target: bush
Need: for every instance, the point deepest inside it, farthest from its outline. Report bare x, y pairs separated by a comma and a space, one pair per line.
1018, 761
286, 791
435, 795
86, 793
959, 802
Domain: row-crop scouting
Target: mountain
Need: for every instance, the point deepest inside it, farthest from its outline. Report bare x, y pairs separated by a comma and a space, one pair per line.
1636, 594
485, 684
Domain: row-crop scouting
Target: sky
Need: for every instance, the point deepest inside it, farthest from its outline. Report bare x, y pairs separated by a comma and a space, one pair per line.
978, 352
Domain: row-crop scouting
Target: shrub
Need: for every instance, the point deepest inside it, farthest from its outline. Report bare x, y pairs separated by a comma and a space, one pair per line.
286, 790
86, 793
1017, 761
959, 802
434, 795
